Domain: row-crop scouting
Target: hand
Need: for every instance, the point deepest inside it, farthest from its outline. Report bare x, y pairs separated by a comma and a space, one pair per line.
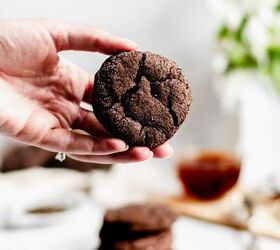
40, 93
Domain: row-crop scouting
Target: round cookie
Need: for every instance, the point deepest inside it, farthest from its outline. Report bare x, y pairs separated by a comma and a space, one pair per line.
140, 218
160, 241
141, 98
111, 232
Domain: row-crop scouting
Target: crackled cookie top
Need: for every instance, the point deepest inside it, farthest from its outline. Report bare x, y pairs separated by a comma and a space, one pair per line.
141, 98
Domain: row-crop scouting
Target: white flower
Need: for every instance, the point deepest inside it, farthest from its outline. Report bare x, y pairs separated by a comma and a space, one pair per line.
257, 35
241, 43
220, 63
231, 12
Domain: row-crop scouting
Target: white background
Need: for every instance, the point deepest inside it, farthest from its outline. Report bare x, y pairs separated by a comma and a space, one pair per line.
182, 30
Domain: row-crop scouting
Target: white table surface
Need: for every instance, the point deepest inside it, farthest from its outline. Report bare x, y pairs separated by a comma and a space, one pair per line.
81, 234
78, 228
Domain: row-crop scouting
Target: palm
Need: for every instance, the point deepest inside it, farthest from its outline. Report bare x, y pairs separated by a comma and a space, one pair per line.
48, 89
48, 101
45, 91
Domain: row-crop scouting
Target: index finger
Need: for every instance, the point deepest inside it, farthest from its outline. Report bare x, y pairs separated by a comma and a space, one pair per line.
87, 38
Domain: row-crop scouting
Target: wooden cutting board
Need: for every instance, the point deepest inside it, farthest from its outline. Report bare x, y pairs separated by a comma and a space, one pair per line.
265, 220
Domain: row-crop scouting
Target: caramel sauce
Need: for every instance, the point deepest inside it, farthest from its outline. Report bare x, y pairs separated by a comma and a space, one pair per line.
208, 175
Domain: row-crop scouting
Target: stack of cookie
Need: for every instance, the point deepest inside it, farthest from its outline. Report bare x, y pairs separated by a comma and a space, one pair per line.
137, 227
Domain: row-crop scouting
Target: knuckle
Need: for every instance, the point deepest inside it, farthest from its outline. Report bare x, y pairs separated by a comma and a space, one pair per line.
93, 146
70, 142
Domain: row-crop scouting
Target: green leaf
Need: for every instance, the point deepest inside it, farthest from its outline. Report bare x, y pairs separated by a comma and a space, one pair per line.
241, 27
275, 74
224, 32
277, 7
243, 61
273, 53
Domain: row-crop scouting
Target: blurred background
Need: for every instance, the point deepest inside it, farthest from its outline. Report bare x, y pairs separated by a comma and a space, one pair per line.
223, 178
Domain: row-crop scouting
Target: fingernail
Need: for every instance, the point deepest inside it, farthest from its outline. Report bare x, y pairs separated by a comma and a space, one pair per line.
116, 145
130, 43
124, 146
170, 151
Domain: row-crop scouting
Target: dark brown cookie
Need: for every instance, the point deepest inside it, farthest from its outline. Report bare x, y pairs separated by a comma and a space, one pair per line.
139, 218
141, 98
111, 232
160, 241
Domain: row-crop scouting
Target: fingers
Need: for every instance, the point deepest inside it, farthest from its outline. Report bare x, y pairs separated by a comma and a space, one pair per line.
136, 154
163, 151
87, 121
88, 92
81, 37
71, 142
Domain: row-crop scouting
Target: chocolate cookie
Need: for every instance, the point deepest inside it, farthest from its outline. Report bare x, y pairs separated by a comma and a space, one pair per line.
139, 218
141, 98
161, 241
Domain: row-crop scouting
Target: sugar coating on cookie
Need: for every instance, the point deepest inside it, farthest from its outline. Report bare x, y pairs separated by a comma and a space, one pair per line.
141, 98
